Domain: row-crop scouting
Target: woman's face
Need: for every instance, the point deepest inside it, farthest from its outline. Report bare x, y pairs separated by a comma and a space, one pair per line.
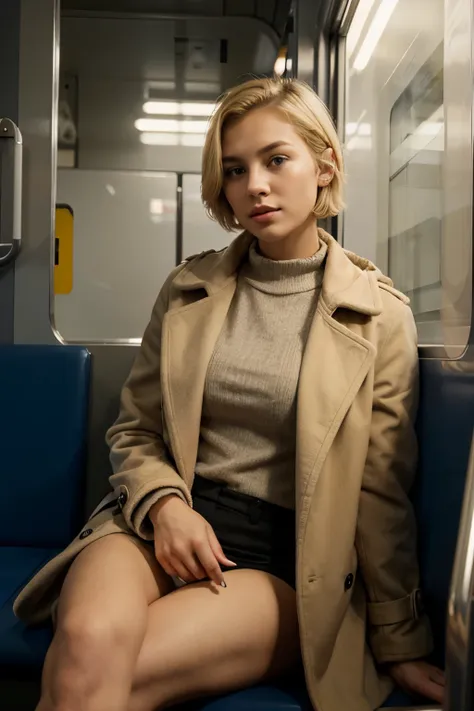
270, 177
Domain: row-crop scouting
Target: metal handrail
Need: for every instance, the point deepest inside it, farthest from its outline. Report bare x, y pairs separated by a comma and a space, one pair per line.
459, 639
10, 191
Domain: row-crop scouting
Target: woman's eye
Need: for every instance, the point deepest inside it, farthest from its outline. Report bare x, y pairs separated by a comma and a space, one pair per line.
233, 172
278, 160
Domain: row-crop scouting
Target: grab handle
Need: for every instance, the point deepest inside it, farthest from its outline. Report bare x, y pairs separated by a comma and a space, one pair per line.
11, 155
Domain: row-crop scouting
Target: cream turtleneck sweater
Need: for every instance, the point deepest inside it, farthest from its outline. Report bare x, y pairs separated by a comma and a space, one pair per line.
248, 423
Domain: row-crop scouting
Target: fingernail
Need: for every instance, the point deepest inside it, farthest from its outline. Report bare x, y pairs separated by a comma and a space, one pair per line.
223, 584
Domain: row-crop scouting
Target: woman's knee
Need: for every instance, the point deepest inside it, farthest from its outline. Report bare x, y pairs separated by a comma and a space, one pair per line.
100, 621
99, 634
88, 649
103, 605
96, 626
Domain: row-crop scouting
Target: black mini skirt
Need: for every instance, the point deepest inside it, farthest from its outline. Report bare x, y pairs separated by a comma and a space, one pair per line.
253, 533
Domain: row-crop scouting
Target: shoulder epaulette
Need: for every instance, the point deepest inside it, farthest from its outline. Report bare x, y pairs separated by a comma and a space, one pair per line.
200, 255
391, 290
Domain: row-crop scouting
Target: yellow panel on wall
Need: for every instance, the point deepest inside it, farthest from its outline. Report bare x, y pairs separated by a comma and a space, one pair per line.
63, 249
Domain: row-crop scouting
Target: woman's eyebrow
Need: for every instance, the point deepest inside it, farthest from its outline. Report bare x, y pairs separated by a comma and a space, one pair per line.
261, 151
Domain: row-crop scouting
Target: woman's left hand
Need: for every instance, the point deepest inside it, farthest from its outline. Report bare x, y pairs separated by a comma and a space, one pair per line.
419, 678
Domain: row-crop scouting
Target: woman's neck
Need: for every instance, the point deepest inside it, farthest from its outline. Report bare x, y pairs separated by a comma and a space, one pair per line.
297, 245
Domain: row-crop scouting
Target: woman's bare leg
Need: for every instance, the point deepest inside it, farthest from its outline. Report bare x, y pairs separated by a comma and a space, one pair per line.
101, 624
204, 640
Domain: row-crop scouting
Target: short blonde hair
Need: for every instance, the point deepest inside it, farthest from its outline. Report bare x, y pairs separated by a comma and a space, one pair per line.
311, 120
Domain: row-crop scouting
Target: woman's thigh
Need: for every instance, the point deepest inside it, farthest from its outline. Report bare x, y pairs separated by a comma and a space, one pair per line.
110, 579
204, 640
108, 588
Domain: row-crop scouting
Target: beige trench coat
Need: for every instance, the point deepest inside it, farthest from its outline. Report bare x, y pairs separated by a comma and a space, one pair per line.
357, 573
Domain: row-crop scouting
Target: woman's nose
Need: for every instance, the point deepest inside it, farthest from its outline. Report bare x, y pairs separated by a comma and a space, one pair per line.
257, 183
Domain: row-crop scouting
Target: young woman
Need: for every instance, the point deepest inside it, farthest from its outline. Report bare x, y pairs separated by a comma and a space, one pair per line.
262, 457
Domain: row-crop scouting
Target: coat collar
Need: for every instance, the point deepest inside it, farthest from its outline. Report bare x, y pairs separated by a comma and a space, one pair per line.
350, 282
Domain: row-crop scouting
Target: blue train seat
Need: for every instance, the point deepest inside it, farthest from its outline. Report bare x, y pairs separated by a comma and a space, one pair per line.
445, 426
43, 431
46, 390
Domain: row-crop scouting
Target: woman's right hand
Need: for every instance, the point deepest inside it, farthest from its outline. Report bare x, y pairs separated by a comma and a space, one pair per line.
185, 544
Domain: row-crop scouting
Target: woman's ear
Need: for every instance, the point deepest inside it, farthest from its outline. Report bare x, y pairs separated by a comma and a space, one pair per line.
326, 167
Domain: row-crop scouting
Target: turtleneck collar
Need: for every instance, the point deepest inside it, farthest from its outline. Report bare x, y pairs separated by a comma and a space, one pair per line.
291, 276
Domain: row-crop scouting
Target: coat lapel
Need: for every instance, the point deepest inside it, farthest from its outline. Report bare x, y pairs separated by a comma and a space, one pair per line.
189, 336
335, 363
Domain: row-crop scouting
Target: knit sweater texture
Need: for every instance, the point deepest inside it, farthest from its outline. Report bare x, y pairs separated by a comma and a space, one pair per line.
248, 423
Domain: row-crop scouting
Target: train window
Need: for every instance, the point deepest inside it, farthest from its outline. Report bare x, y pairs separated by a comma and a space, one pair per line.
199, 232
135, 96
407, 142
124, 248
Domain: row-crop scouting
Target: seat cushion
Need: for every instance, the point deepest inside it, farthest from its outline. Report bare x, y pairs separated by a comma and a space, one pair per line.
20, 645
270, 698
445, 426
43, 421
400, 699
259, 698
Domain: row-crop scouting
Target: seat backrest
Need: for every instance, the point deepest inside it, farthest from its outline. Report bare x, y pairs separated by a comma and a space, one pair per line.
445, 427
43, 431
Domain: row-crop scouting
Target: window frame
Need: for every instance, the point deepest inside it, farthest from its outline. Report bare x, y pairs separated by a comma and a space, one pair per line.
462, 11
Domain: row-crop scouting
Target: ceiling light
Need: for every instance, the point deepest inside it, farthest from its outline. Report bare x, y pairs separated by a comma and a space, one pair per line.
375, 32
159, 139
357, 25
190, 140
170, 108
178, 108
145, 124
280, 66
172, 125
197, 109
193, 126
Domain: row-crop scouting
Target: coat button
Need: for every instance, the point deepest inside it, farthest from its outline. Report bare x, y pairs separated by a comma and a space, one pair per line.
85, 533
349, 582
418, 604
122, 499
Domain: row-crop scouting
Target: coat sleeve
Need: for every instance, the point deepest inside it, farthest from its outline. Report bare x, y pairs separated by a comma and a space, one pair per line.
143, 469
386, 531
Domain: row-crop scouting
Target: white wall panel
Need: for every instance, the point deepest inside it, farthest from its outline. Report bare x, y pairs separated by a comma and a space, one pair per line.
124, 248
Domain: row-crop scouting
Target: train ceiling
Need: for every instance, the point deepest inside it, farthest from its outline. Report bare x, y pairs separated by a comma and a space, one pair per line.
272, 12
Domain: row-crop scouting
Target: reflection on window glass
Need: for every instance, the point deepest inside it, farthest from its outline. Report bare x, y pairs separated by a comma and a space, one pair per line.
406, 161
415, 195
